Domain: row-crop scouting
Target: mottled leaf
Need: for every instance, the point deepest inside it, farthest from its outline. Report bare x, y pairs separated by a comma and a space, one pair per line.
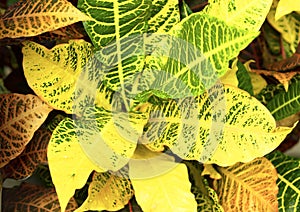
108, 191
33, 198
204, 128
32, 17
248, 187
34, 154
288, 171
21, 115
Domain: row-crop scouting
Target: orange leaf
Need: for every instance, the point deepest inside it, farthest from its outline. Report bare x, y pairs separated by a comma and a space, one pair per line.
33, 198
21, 115
34, 154
33, 17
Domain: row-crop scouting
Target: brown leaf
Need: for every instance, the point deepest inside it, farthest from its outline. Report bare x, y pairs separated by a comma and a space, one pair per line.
21, 115
248, 187
34, 154
29, 197
288, 64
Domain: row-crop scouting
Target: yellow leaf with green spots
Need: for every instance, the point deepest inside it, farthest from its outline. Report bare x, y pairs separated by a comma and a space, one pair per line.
108, 191
33, 17
225, 125
69, 165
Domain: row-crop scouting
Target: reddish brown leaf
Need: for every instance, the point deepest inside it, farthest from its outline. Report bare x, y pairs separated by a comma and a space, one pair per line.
285, 65
28, 198
34, 154
21, 115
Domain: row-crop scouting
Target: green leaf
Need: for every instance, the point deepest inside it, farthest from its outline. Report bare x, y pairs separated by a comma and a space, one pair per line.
285, 103
288, 171
204, 45
69, 165
244, 77
108, 191
243, 14
163, 191
248, 187
114, 19
33, 17
185, 10
204, 128
3, 89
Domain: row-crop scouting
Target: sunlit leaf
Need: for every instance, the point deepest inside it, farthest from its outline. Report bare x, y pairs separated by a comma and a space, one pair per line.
108, 191
33, 17
53, 74
204, 128
249, 14
69, 165
285, 7
167, 191
248, 187
33, 198
230, 77
288, 171
21, 115
211, 171
285, 103
34, 154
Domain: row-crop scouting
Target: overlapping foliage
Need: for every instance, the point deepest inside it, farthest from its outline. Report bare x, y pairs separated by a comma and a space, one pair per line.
158, 103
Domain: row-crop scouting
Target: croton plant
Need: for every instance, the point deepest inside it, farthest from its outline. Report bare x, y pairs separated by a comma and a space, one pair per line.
141, 105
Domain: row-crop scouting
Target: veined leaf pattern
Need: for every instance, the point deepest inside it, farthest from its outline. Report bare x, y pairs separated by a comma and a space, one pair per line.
244, 14
223, 126
108, 191
34, 154
284, 104
288, 171
248, 187
33, 17
21, 115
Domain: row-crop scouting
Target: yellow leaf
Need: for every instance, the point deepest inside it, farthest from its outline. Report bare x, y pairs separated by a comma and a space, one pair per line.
258, 82
21, 115
285, 7
34, 17
230, 77
211, 171
53, 74
248, 187
68, 164
108, 191
162, 191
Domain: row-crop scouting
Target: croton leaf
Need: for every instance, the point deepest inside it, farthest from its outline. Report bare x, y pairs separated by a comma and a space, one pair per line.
285, 7
3, 89
248, 187
33, 17
33, 198
108, 191
53, 74
249, 14
113, 19
34, 154
21, 116
244, 77
68, 164
167, 191
204, 46
204, 128
288, 26
285, 103
288, 171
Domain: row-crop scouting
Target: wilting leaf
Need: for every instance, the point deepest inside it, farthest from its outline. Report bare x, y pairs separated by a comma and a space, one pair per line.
114, 19
288, 171
249, 14
288, 26
204, 128
70, 167
33, 17
285, 103
21, 115
34, 154
108, 191
164, 191
248, 187
285, 7
33, 198
53, 74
